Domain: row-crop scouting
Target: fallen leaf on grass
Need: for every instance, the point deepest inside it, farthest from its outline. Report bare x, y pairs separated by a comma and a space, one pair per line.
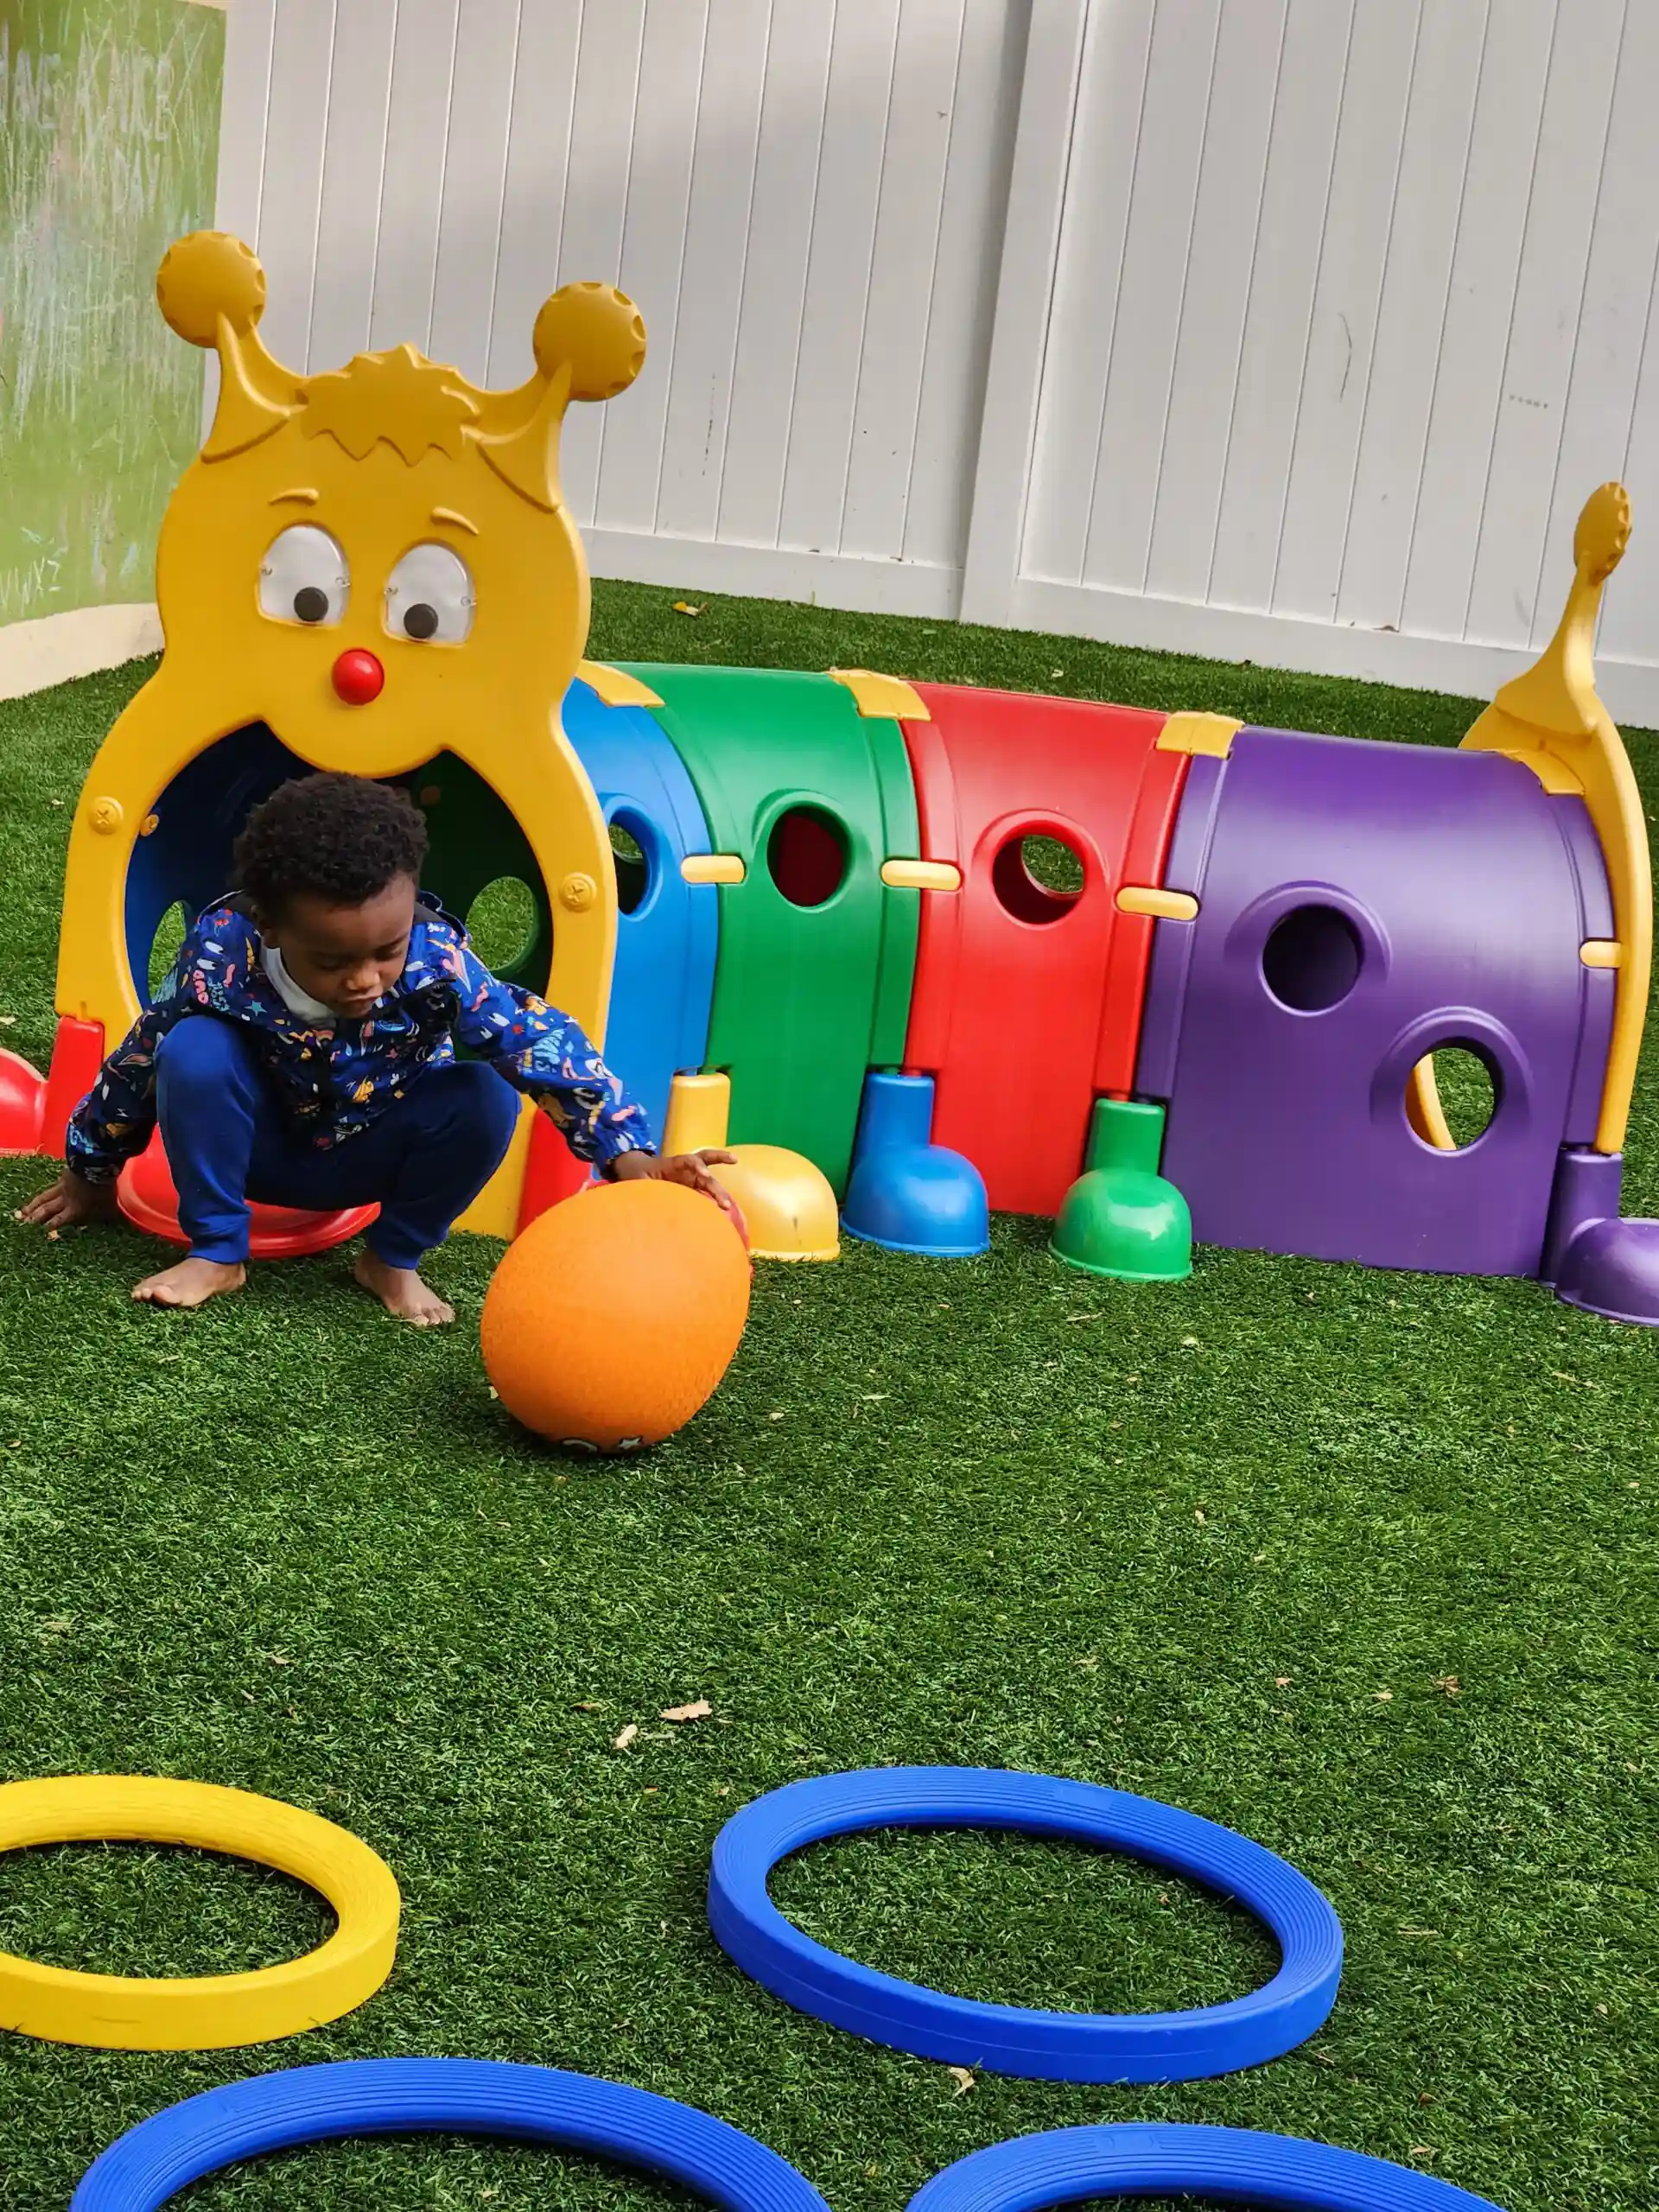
964, 2077
8, 1021
1449, 1683
684, 607
588, 1704
625, 1736
1385, 1697
700, 1710
1281, 1682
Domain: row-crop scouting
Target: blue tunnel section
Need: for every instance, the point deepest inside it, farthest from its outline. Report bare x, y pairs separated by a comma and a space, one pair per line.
667, 929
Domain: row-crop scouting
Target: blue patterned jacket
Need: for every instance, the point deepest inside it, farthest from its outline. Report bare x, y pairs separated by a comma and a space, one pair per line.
334, 1082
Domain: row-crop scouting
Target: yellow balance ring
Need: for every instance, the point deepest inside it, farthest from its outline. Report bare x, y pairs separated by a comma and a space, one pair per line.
212, 2012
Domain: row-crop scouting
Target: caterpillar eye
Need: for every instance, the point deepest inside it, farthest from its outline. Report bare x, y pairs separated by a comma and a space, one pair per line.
429, 596
305, 578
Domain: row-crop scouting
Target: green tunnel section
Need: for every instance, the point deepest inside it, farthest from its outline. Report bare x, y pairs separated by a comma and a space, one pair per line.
816, 955
480, 864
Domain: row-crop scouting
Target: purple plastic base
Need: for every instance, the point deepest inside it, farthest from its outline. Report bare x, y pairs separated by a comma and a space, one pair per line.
1611, 1268
1594, 1261
1587, 1189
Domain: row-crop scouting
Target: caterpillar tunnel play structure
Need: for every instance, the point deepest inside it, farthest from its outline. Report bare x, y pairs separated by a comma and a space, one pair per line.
920, 949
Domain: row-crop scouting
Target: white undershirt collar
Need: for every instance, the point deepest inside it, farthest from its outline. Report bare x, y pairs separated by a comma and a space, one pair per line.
296, 1001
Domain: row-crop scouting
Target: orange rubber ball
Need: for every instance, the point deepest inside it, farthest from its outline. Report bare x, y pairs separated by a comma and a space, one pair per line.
614, 1316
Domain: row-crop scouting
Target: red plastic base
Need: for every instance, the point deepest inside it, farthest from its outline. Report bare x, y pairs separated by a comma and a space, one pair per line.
76, 1056
552, 1172
150, 1203
22, 1103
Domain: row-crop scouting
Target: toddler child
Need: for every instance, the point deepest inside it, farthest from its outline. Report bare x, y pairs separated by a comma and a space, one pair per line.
302, 1053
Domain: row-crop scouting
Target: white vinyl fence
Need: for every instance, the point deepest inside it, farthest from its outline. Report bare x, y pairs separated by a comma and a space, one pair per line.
1292, 330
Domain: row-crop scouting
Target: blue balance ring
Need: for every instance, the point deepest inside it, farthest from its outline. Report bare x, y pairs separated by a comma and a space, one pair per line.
402, 2096
1007, 2039
1223, 2165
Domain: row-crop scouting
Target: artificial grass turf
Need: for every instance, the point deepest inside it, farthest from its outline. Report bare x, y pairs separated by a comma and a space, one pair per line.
1182, 1540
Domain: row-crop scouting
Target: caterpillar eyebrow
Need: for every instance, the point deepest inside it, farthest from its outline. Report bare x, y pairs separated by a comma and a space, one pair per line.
458, 521
300, 495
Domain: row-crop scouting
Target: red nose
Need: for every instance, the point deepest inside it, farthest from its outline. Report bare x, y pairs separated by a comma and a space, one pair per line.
358, 677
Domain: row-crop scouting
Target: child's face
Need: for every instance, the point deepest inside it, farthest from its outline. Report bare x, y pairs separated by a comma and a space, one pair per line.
346, 957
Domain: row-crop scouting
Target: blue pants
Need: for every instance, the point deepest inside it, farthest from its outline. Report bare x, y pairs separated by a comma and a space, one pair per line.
422, 1162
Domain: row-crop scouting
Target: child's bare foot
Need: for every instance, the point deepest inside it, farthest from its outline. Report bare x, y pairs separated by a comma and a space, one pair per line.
401, 1291
191, 1283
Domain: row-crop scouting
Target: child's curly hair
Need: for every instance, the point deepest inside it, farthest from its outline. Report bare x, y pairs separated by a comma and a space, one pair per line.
339, 838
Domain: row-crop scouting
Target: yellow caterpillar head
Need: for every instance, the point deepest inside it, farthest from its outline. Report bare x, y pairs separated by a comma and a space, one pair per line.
377, 560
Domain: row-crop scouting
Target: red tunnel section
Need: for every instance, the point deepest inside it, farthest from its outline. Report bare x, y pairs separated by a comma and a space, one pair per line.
1029, 985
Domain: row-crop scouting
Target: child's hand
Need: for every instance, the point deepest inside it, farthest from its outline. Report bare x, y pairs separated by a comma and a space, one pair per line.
70, 1201
690, 1168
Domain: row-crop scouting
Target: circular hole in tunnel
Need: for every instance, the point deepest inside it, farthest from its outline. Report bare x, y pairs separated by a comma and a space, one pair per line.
1037, 879
501, 923
1470, 1091
1001, 1918
630, 859
806, 855
1312, 959
164, 945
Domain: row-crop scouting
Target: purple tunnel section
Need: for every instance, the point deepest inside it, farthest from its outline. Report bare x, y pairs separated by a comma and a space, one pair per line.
1360, 905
